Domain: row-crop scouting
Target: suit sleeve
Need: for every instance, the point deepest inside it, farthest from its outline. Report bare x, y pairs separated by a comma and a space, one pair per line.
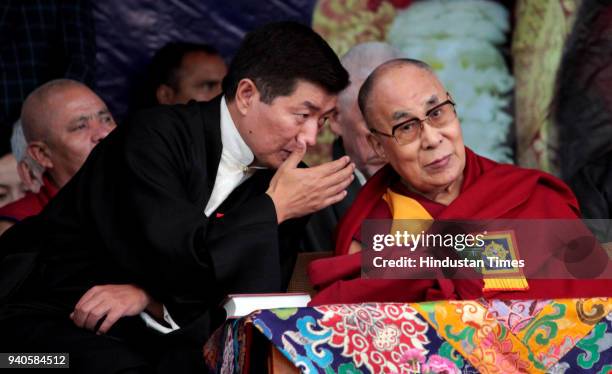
157, 229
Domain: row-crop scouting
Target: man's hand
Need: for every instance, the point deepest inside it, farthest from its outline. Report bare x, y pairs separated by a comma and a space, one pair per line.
297, 192
112, 301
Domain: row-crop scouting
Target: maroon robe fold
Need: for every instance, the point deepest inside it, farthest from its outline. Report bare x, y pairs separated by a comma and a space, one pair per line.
489, 191
31, 204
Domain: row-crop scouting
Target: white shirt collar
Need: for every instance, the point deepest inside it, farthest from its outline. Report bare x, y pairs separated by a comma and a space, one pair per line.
360, 177
233, 145
236, 156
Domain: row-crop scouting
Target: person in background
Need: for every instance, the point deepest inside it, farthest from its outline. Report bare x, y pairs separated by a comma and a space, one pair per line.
62, 120
181, 71
11, 188
30, 172
348, 124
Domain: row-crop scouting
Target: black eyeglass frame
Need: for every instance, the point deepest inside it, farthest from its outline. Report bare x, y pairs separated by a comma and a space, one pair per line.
417, 121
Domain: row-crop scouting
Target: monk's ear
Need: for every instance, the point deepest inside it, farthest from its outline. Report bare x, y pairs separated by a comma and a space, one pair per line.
377, 146
246, 95
40, 152
165, 94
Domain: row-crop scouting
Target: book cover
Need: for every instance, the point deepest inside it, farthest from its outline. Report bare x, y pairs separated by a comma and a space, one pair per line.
239, 305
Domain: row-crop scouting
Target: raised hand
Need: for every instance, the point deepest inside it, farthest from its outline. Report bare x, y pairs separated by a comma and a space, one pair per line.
300, 191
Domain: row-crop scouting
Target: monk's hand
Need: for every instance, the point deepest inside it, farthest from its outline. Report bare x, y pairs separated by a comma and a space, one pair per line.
104, 305
297, 192
355, 247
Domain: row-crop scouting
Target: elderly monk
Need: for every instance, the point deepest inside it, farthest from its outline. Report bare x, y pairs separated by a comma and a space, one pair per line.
62, 120
431, 174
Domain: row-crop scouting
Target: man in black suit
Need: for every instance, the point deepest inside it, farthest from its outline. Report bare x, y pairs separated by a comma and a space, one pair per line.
188, 203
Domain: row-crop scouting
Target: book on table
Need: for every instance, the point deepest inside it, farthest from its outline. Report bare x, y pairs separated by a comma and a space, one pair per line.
240, 305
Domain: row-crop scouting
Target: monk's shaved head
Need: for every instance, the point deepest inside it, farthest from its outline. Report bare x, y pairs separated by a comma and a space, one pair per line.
360, 61
38, 108
366, 90
62, 121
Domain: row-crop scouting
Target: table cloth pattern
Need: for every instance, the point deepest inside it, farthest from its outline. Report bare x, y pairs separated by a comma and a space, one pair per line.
483, 336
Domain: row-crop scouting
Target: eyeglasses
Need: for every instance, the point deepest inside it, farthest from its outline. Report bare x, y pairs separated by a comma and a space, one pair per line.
408, 131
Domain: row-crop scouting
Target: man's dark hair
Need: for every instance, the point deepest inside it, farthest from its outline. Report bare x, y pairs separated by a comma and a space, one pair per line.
277, 55
366, 88
167, 61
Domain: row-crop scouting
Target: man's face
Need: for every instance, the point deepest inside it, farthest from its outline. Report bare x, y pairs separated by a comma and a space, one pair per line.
199, 77
351, 126
436, 158
11, 188
79, 120
273, 131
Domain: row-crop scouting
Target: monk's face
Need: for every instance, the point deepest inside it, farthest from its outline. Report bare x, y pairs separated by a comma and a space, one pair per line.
78, 121
435, 158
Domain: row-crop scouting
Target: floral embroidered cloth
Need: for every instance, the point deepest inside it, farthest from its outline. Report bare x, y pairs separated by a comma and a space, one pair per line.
539, 336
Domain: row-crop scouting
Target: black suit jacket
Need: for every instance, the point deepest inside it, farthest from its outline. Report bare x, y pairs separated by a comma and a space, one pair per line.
134, 213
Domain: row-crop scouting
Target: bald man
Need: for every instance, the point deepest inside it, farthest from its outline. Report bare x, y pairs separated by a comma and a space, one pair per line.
348, 123
63, 120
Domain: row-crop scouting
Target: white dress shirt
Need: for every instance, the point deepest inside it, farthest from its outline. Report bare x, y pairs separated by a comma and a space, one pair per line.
236, 157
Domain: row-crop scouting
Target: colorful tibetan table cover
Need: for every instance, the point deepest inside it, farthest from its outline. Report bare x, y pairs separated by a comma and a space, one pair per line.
539, 336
